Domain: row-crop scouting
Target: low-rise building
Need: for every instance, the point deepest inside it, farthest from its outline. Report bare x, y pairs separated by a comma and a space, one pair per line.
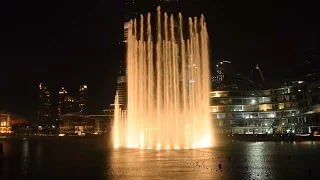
7, 120
86, 124
259, 111
76, 123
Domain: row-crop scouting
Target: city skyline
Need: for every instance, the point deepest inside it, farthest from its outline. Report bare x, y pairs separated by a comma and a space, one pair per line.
80, 46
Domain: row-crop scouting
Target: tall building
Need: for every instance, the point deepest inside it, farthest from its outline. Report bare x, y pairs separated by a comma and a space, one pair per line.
122, 80
83, 99
222, 68
62, 95
70, 105
122, 91
133, 10
44, 112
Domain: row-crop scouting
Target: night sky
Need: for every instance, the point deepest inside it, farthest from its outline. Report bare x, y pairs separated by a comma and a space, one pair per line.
69, 43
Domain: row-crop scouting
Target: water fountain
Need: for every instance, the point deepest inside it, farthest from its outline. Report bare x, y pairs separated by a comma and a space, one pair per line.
168, 86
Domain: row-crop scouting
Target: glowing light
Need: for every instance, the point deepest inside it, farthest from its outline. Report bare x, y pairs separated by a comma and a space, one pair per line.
141, 139
168, 94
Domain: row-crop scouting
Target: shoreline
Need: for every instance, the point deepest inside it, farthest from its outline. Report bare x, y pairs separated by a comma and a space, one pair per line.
266, 138
254, 138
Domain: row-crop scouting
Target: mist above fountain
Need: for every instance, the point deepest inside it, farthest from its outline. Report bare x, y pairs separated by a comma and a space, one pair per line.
168, 86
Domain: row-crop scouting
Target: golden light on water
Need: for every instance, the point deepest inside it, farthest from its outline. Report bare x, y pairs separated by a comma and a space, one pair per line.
168, 86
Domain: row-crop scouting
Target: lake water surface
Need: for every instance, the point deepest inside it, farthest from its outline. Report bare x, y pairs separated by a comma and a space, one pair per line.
93, 159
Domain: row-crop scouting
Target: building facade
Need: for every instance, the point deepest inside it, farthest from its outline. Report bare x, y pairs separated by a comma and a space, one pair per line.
76, 124
61, 103
8, 121
313, 115
83, 99
45, 105
259, 111
222, 68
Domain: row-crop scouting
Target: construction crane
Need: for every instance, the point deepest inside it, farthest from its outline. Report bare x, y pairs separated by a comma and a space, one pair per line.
278, 131
261, 75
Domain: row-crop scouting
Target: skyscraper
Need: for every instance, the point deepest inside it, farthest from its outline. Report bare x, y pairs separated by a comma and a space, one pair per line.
44, 112
121, 80
61, 104
122, 91
83, 99
70, 105
222, 68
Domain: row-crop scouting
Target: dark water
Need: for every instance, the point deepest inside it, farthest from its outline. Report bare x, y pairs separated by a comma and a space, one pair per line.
66, 158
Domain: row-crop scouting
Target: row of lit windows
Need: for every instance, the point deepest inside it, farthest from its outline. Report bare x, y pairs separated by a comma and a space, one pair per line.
248, 101
261, 122
254, 115
254, 93
261, 107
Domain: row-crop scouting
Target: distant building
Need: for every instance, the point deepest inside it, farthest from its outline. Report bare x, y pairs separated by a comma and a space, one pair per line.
5, 122
222, 68
313, 114
103, 123
83, 99
308, 68
122, 91
44, 107
61, 103
77, 123
73, 123
8, 120
70, 105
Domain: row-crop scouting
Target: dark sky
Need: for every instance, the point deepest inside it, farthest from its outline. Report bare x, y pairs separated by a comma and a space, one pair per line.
68, 43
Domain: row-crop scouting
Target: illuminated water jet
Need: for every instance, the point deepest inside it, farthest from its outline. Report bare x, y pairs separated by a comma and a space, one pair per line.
168, 86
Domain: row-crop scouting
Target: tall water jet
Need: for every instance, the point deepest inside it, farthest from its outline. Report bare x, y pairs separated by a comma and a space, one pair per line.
168, 81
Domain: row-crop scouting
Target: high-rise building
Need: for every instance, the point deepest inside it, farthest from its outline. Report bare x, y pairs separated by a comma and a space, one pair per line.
62, 95
70, 105
83, 99
44, 111
122, 80
222, 68
122, 91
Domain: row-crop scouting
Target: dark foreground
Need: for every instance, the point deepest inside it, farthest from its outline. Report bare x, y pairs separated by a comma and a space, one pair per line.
93, 159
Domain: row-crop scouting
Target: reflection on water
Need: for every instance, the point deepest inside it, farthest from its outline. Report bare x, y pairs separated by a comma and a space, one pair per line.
92, 159
39, 158
25, 157
257, 161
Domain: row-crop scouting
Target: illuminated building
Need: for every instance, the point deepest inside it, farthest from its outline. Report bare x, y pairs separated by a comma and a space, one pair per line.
44, 112
70, 104
5, 123
7, 120
122, 91
77, 123
62, 95
259, 111
83, 99
121, 80
103, 123
74, 123
222, 68
313, 114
